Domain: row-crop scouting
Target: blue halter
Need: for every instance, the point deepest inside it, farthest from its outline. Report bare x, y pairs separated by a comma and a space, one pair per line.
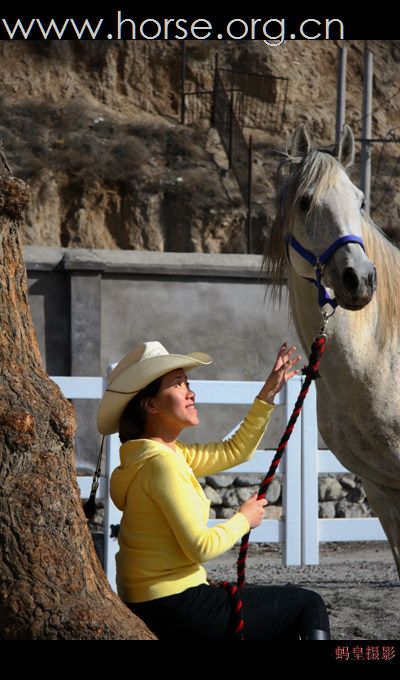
319, 263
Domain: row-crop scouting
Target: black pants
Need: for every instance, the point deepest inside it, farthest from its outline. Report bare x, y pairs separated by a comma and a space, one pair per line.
204, 613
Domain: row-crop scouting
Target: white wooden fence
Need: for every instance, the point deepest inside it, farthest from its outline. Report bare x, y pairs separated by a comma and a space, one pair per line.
300, 530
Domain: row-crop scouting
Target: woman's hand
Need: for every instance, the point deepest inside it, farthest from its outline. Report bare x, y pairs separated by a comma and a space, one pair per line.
280, 373
253, 510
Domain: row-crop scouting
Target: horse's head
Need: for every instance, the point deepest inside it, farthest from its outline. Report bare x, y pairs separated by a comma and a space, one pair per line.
318, 205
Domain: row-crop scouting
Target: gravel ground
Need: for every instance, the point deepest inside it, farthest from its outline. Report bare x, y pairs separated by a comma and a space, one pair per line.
358, 581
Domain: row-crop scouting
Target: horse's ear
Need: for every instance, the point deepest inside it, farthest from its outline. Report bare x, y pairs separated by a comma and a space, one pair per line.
301, 144
346, 148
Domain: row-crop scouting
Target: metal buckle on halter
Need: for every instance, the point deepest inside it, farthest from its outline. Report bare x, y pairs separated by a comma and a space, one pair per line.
325, 318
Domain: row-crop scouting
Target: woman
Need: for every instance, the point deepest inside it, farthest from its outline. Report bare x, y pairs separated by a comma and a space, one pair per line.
164, 538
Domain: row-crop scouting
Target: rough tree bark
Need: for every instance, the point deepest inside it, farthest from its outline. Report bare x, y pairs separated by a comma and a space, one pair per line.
52, 585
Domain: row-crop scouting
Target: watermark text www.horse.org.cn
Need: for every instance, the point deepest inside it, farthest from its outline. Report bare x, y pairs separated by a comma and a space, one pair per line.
272, 31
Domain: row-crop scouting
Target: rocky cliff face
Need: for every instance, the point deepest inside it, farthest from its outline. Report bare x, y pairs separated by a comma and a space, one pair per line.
94, 129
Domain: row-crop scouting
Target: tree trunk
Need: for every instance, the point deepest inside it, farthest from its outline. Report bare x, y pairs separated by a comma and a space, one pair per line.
52, 585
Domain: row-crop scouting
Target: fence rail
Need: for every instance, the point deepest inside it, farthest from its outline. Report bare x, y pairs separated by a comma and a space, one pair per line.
313, 463
300, 530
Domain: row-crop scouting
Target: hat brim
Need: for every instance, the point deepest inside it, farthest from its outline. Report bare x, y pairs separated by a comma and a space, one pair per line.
135, 378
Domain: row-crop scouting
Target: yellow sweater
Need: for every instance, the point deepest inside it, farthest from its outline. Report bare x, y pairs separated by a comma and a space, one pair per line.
163, 536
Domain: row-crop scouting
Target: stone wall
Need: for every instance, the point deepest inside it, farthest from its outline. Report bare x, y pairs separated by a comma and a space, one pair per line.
339, 496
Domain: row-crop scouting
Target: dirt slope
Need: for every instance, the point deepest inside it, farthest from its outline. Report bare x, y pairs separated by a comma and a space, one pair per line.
94, 127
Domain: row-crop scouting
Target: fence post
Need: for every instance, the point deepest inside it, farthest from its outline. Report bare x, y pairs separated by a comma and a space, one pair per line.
249, 194
214, 102
112, 516
366, 147
183, 83
309, 479
231, 114
291, 548
341, 93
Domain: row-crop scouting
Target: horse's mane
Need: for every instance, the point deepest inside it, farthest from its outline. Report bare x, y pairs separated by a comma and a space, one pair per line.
314, 174
384, 310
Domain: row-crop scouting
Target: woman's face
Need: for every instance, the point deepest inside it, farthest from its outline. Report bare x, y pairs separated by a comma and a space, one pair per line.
173, 406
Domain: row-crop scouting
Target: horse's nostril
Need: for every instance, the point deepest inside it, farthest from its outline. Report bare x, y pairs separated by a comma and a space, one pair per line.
350, 279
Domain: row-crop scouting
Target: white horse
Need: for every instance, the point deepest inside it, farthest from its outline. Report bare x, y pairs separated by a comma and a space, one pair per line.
358, 393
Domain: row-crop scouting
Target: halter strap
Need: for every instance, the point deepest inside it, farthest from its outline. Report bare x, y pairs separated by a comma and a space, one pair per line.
319, 263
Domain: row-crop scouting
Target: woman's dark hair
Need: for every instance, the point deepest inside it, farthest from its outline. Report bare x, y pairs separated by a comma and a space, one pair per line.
132, 421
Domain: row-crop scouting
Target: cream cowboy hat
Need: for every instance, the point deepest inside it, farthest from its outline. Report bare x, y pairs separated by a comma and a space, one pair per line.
136, 370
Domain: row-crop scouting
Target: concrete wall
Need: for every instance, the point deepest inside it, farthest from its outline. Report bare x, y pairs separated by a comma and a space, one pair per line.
91, 307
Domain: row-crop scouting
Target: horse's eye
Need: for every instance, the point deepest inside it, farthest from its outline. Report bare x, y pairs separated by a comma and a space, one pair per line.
305, 203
